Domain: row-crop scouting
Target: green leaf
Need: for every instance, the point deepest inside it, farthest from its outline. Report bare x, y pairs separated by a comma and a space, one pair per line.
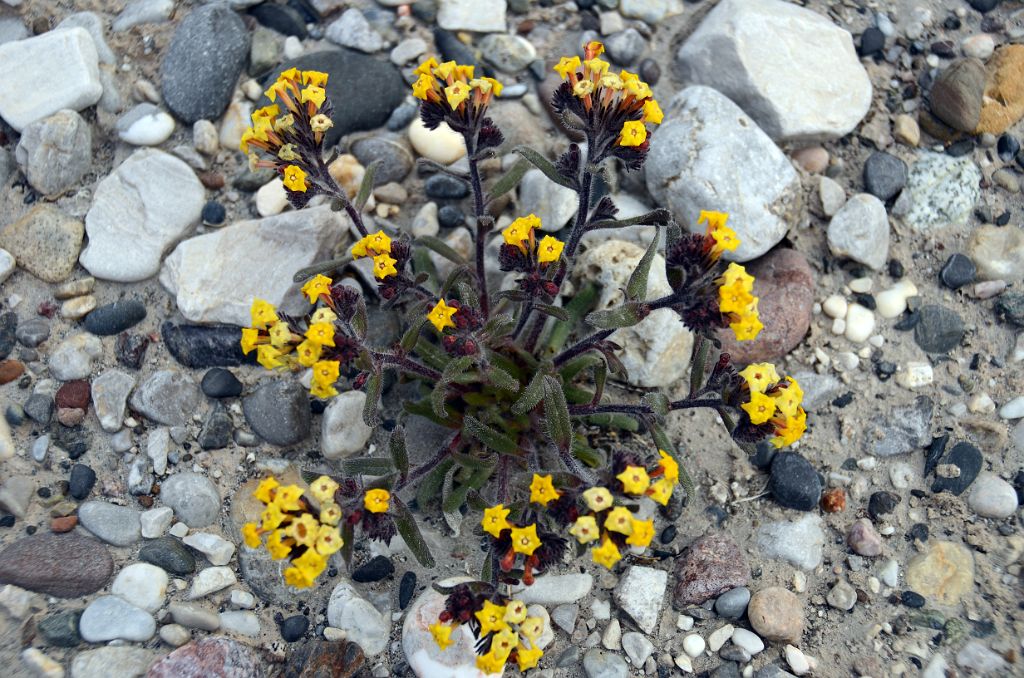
578, 364
510, 179
658, 217
503, 380
614, 420
430, 485
422, 263
636, 288
556, 413
545, 166
439, 395
441, 247
359, 319
366, 185
627, 315
698, 361
468, 294
577, 307
499, 325
473, 462
412, 334
600, 379
576, 395
587, 454
374, 385
530, 396
399, 453
658, 402
487, 569
367, 466
410, 531
497, 441
453, 278
553, 311
431, 354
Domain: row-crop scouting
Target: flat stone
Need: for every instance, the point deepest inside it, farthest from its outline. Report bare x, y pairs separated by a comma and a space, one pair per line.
903, 430
170, 554
117, 525
968, 460
110, 397
640, 593
361, 621
141, 584
210, 580
55, 152
199, 346
62, 565
944, 573
800, 543
116, 317
110, 618
131, 662
210, 657
167, 397
45, 242
601, 664
278, 411
556, 589
481, 16
193, 497
794, 483
216, 549
710, 566
992, 497
860, 231
939, 329
61, 629
957, 94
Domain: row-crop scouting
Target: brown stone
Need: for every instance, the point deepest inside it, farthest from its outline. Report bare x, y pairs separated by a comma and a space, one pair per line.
943, 574
711, 565
212, 180
62, 565
45, 242
1003, 103
73, 394
833, 500
210, 658
64, 524
70, 416
784, 286
10, 370
777, 614
957, 92
324, 659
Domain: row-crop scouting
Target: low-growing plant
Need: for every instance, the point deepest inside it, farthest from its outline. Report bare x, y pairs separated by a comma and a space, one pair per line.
513, 375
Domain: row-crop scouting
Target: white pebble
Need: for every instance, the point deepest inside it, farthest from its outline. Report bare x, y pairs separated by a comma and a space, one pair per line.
799, 581
41, 664
797, 661
243, 599
443, 145
867, 463
846, 361
684, 663
694, 645
271, 198
862, 285
889, 573
876, 340
981, 403
600, 609
747, 640
292, 47
893, 301
684, 623
7, 265
900, 475
718, 637
839, 326
978, 46
860, 323
915, 375
835, 306
149, 130
1013, 409
992, 497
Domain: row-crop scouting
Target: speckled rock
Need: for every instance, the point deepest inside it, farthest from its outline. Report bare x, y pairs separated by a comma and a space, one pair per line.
83, 567
45, 242
710, 566
941, 191
209, 658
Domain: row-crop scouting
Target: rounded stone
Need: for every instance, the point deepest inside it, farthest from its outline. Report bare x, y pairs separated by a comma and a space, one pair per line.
220, 383
209, 657
732, 604
794, 483
776, 614
992, 497
62, 565
710, 566
193, 497
115, 318
111, 618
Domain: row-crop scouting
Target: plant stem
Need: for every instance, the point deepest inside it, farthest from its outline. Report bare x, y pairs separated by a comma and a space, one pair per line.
409, 365
640, 410
582, 346
581, 216
333, 189
482, 223
446, 450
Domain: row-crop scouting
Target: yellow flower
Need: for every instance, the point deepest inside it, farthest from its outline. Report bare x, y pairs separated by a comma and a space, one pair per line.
633, 133
598, 498
441, 315
464, 71
265, 490
760, 408
297, 578
314, 94
280, 335
379, 242
277, 548
525, 539
269, 357
748, 327
532, 628
549, 249
424, 84
594, 47
445, 69
737, 272
323, 489
304, 530
734, 298
642, 534
542, 490
486, 85
607, 554
262, 314
251, 535
330, 514
320, 123
611, 81
567, 65
528, 658
583, 87
628, 77
634, 480
287, 153
326, 372
669, 466
789, 397
503, 642
585, 529
285, 124
294, 178
323, 315
620, 520
315, 78
427, 67
518, 232
456, 93
515, 612
287, 497
442, 634
759, 376
308, 353
384, 266
243, 144
291, 74
322, 391
321, 333
271, 517
311, 562
639, 89
317, 285
328, 540
495, 520
652, 112
490, 663
491, 617
377, 501
661, 491
596, 66
792, 430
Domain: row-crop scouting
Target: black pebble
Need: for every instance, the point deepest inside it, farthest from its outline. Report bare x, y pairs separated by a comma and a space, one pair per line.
918, 531
7, 521
451, 216
8, 333
1007, 147
968, 459
872, 41
214, 213
220, 383
130, 349
1010, 308
216, 431
866, 300
294, 627
843, 400
112, 318
764, 452
882, 504
668, 534
794, 483
375, 569
1004, 218
958, 271
884, 369
934, 452
406, 588
650, 71
896, 270
939, 330
960, 148
201, 346
983, 5
445, 187
280, 18
912, 599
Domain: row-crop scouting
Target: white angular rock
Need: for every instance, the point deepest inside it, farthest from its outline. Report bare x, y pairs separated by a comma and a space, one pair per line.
800, 543
131, 662
708, 154
556, 589
860, 231
7, 265
145, 206
915, 375
110, 393
156, 521
344, 431
141, 584
480, 16
72, 359
554, 204
353, 30
240, 622
361, 621
48, 72
210, 580
216, 549
998, 252
217, 275
640, 594
145, 125
792, 70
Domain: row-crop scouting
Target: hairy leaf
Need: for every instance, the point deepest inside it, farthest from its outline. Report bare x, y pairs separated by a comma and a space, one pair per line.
500, 325
553, 311
441, 247
510, 179
626, 315
497, 441
556, 413
613, 420
578, 307
530, 396
430, 485
544, 165
452, 279
368, 466
410, 531
412, 334
503, 379
374, 385
600, 378
452, 370
468, 294
636, 288
588, 455
359, 319
399, 453
576, 365
658, 402
431, 354
366, 185
658, 217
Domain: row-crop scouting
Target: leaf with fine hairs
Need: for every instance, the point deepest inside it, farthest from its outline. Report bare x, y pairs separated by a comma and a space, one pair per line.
556, 413
410, 531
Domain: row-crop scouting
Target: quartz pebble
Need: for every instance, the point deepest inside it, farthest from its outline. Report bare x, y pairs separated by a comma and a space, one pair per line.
860, 323
992, 497
893, 301
694, 645
747, 640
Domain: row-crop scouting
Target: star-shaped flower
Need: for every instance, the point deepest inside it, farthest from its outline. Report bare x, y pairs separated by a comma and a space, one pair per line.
542, 490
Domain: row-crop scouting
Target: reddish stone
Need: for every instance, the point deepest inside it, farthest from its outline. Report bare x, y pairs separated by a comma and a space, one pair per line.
63, 524
324, 659
834, 500
784, 286
212, 180
210, 658
710, 566
10, 370
73, 395
63, 565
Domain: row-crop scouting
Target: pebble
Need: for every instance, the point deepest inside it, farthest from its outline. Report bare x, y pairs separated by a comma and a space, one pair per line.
170, 554
209, 657
45, 242
375, 569
512, 53
611, 639
944, 573
240, 622
210, 580
194, 616
694, 645
116, 525
156, 521
941, 191
601, 664
939, 329
860, 231
141, 584
892, 302
216, 549
442, 145
220, 383
906, 130
885, 175
719, 636
968, 460
84, 567
145, 125
625, 47
109, 398
61, 629
55, 152
552, 589
479, 16
361, 621
167, 397
216, 431
831, 195
193, 497
278, 411
81, 481
111, 618
915, 375
860, 323
175, 635
131, 662
998, 252
344, 433
116, 317
956, 96
7, 265
980, 660
396, 161
958, 271
842, 596
444, 187
352, 30
747, 641
407, 50
992, 497
799, 543
797, 661
794, 483
637, 647
294, 628
710, 566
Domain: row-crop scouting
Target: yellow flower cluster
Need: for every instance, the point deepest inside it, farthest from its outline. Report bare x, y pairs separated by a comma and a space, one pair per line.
512, 630
520, 233
274, 340
292, 529
597, 86
279, 132
775, 400
524, 539
737, 302
454, 84
722, 238
378, 247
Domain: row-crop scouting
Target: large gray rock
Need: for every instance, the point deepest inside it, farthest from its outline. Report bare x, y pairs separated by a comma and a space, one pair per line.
55, 152
92, 23
168, 397
47, 73
794, 71
217, 275
193, 497
139, 212
117, 525
709, 155
860, 231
